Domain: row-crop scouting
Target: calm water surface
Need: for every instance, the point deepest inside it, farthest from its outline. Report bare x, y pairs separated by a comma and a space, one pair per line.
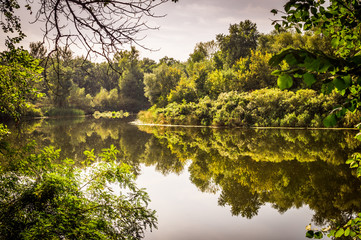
222, 183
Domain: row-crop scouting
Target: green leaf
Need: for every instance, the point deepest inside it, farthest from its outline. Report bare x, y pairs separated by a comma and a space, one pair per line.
288, 6
348, 80
284, 81
327, 88
354, 164
335, 42
309, 79
274, 11
358, 172
339, 233
347, 232
325, 65
332, 233
358, 136
349, 161
339, 83
276, 59
290, 59
330, 120
276, 72
318, 235
356, 59
312, 64
310, 234
313, 10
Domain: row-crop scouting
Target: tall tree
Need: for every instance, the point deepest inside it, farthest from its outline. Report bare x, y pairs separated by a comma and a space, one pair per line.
241, 40
203, 51
19, 74
131, 81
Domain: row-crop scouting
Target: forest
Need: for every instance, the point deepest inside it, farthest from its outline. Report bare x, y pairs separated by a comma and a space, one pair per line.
224, 82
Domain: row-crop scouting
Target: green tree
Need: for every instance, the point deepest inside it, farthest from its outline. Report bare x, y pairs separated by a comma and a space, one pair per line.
147, 65
131, 81
241, 40
198, 73
79, 99
340, 20
168, 61
254, 72
37, 50
160, 83
203, 51
340, 71
41, 199
221, 81
103, 75
19, 74
60, 82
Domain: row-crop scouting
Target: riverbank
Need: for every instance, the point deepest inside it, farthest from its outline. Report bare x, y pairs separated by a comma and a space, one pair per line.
260, 108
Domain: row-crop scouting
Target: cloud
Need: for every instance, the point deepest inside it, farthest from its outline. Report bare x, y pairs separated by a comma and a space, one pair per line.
189, 22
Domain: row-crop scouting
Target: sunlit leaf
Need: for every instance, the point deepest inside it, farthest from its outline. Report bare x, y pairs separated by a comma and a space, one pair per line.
284, 81
349, 161
339, 233
354, 164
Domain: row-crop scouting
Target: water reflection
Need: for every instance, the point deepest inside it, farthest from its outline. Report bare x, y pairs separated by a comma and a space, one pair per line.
246, 168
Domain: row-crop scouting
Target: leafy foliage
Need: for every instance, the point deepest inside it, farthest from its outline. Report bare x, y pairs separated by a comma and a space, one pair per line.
340, 22
19, 73
43, 197
264, 107
159, 83
241, 40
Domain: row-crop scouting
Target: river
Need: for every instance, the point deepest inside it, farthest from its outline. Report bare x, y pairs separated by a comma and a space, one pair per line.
208, 183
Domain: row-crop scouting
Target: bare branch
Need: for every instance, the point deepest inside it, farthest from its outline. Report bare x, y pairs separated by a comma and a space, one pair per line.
101, 27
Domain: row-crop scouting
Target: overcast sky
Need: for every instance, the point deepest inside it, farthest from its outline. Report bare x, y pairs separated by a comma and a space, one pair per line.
191, 21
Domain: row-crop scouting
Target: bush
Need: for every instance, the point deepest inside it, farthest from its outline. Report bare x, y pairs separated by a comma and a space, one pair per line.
32, 111
264, 108
57, 112
63, 201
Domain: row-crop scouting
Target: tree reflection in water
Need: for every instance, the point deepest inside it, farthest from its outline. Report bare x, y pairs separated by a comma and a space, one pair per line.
246, 167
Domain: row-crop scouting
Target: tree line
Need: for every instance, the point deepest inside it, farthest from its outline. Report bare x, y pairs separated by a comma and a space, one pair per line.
229, 82
217, 73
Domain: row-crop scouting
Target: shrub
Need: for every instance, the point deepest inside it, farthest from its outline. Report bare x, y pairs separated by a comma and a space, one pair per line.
264, 107
57, 112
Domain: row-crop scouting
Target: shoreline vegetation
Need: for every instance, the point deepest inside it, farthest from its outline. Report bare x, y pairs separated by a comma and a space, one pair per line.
261, 108
137, 122
219, 85
63, 113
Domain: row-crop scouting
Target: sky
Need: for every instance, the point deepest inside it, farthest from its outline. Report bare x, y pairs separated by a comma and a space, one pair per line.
187, 23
